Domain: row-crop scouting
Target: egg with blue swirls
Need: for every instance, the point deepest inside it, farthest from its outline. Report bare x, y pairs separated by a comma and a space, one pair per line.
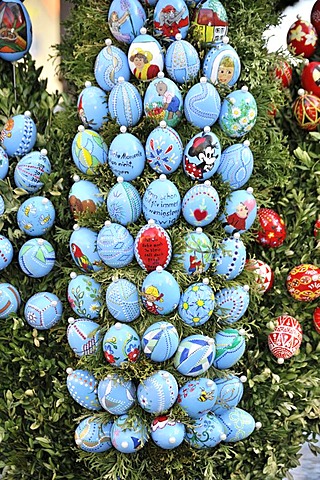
122, 299
202, 104
124, 203
236, 164
237, 423
110, 64
127, 156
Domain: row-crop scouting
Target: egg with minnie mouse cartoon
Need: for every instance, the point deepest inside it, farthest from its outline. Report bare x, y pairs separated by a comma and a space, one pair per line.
202, 155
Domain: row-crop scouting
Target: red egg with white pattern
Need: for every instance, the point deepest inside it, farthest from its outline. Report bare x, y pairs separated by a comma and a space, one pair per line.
263, 273
302, 38
303, 282
316, 229
272, 231
315, 16
310, 77
316, 319
283, 72
286, 338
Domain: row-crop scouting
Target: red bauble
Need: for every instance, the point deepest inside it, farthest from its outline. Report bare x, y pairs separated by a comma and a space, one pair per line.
315, 16
264, 274
284, 73
272, 231
303, 282
152, 247
286, 338
302, 38
316, 230
306, 109
310, 78
316, 319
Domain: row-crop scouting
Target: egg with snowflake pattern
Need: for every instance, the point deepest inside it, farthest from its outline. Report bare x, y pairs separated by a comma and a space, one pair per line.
110, 64
92, 435
122, 300
124, 203
197, 303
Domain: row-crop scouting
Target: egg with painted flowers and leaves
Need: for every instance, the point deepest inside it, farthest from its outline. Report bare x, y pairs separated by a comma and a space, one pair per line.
120, 344
302, 38
238, 113
206, 432
197, 303
84, 295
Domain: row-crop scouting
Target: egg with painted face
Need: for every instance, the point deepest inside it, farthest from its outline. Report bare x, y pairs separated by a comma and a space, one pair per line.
207, 432
115, 245
160, 292
124, 203
160, 341
230, 257
195, 355
92, 107
182, 61
241, 211
145, 56
125, 19
167, 433
116, 395
125, 103
197, 397
9, 300
83, 249
82, 386
83, 336
122, 300
229, 393
36, 257
236, 164
221, 64
238, 113
197, 255
161, 202
202, 104
197, 303
110, 64
157, 393
201, 204
152, 247
127, 156
230, 346
128, 437
88, 150
43, 310
164, 149
92, 435
36, 216
27, 174
19, 135
121, 343
202, 155
232, 303
84, 196
84, 296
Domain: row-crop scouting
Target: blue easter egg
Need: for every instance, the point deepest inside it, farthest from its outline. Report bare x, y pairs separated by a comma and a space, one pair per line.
160, 341
158, 392
115, 245
230, 346
2, 206
236, 164
120, 344
163, 101
201, 204
197, 397
229, 393
122, 300
170, 19
43, 310
84, 196
36, 216
222, 65
88, 150
127, 156
202, 155
238, 113
91, 435
82, 387
164, 149
230, 257
125, 19
206, 432
84, 296
116, 395
238, 424
6, 252
128, 437
167, 433
110, 64
161, 202
4, 164
196, 304
160, 292
92, 107
152, 247
195, 355
145, 57
232, 303
37, 257
83, 249
125, 103
9, 300
19, 135
241, 211
197, 256
124, 203
83, 336
210, 22
182, 61
202, 104
16, 30
27, 174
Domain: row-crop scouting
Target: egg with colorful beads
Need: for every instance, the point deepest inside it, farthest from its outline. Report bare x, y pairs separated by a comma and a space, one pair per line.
36, 216
202, 104
160, 341
9, 300
110, 64
122, 300
164, 149
125, 103
158, 392
6, 252
115, 245
230, 257
160, 292
124, 203
83, 388
197, 397
232, 303
197, 253
36, 257
88, 150
229, 393
93, 436
201, 204
236, 164
16, 30
197, 303
84, 295
237, 424
4, 164
120, 344
222, 65
83, 249
92, 107
116, 395
83, 336
43, 310
195, 355
128, 437
30, 168
19, 135
238, 113
84, 196
230, 346
207, 432
125, 19
167, 433
202, 155
127, 156
152, 247
182, 61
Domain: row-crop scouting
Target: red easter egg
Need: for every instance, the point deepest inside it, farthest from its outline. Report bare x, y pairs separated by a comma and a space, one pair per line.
310, 78
306, 109
286, 338
272, 232
264, 274
152, 247
316, 319
316, 230
303, 282
302, 38
315, 16
283, 72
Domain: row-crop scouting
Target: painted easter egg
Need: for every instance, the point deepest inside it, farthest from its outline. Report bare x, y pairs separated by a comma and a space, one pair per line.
170, 19
161, 202
128, 437
82, 387
92, 107
121, 343
92, 435
126, 155
9, 300
6, 252
272, 230
316, 229
210, 22
182, 61
303, 282
200, 205
36, 216
197, 397
84, 196
229, 393
160, 341
167, 433
206, 432
230, 346
27, 174
232, 303
158, 392
241, 211
125, 103
36, 257
316, 319
83, 249
310, 77
116, 395
115, 245
302, 38
306, 110
263, 273
237, 423
19, 135
238, 113
163, 101
43, 310
197, 255
195, 355
84, 296
124, 203
202, 155
152, 247
145, 56
125, 19
236, 164
230, 257
83, 336
164, 149
202, 104
4, 164
221, 64
197, 303
315, 16
286, 338
16, 30
110, 64
122, 300
160, 292
88, 150
283, 72
2, 206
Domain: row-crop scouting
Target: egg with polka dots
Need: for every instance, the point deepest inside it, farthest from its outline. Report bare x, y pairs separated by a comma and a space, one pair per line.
230, 257
82, 387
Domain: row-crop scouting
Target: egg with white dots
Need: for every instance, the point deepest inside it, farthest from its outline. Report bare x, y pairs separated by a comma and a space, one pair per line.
110, 64
182, 60
206, 432
230, 257
158, 392
160, 341
115, 245
202, 104
43, 310
30, 168
82, 386
232, 303
6, 252
125, 103
122, 300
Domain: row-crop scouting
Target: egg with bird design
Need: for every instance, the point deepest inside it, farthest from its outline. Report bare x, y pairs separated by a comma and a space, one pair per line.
83, 249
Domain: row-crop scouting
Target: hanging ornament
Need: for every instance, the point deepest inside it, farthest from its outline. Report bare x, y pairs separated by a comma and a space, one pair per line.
182, 61
124, 203
241, 211
152, 247
236, 164
310, 77
6, 252
238, 424
171, 19
263, 273
125, 19
93, 436
197, 303
303, 282
125, 103
16, 30
115, 245
315, 16
232, 303
145, 56
121, 344
43, 310
111, 63
195, 355
84, 296
229, 393
161, 202
88, 150
84, 196
164, 149
160, 341
202, 104
167, 433
316, 319
92, 107
9, 300
28, 171
238, 113
36, 257
157, 393
306, 110
128, 437
202, 155
283, 72
206, 432
122, 300
302, 38
230, 257
83, 249
160, 292
210, 22
126, 155
272, 232
4, 164
82, 386
36, 216
201, 204
83, 336
197, 255
230, 346
222, 64
197, 397
19, 135
286, 338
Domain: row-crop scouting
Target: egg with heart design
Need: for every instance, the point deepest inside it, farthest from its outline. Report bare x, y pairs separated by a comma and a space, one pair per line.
201, 204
